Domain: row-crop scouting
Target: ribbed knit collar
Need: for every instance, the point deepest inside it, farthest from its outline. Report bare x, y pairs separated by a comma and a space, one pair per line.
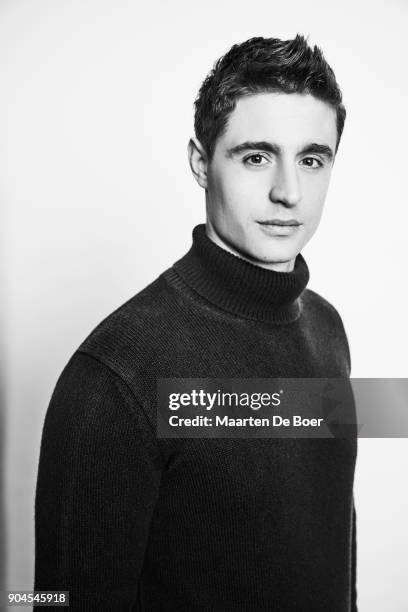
238, 286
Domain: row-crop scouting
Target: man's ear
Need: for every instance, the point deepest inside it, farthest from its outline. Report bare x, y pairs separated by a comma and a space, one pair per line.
197, 158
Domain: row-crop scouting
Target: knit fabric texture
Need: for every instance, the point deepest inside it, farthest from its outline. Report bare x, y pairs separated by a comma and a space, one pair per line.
127, 521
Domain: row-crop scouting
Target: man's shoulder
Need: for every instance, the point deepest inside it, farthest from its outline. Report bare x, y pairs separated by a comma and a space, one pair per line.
320, 307
127, 334
325, 325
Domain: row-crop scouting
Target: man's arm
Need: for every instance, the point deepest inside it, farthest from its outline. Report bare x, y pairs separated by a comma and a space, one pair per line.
97, 486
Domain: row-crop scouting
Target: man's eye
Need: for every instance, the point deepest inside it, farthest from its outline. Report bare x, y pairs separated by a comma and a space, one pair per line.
256, 159
311, 162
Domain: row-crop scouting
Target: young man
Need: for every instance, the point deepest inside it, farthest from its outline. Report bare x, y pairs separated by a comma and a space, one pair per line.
126, 520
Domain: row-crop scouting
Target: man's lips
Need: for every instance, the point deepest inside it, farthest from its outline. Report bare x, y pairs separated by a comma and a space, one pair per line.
280, 222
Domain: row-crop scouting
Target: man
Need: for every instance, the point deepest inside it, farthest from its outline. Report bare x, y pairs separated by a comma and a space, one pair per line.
126, 520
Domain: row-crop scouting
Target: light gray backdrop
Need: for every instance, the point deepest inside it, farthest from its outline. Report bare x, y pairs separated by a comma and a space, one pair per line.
95, 115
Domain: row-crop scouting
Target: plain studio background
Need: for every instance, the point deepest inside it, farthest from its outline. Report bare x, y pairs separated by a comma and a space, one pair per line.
96, 111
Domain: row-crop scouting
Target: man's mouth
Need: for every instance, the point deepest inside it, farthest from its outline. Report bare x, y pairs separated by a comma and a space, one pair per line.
281, 222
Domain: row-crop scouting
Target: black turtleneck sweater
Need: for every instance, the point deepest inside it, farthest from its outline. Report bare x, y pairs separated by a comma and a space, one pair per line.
127, 521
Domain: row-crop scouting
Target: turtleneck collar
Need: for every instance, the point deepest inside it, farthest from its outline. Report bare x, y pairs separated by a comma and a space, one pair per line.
240, 287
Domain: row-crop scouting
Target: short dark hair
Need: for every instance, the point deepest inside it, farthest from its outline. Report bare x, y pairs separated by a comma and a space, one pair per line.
261, 65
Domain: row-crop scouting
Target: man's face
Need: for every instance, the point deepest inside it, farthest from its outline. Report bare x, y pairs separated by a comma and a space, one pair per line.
271, 166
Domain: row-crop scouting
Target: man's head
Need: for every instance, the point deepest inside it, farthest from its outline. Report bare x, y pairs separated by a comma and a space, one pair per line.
268, 121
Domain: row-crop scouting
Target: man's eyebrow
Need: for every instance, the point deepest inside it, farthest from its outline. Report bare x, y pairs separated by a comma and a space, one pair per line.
251, 145
271, 147
320, 149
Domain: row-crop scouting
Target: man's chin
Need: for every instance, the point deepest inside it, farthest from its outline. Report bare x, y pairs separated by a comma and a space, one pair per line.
278, 256
277, 259
278, 251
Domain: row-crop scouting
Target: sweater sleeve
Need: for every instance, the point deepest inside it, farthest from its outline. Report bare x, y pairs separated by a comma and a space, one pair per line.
354, 564
97, 485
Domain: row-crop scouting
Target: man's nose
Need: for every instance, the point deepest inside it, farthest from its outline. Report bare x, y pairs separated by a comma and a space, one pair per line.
285, 187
